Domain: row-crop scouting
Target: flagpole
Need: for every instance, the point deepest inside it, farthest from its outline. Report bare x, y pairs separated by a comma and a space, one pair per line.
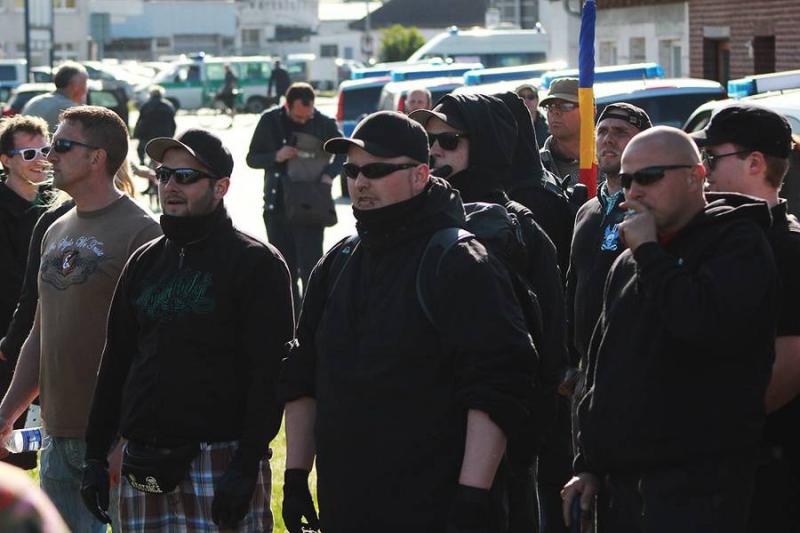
588, 161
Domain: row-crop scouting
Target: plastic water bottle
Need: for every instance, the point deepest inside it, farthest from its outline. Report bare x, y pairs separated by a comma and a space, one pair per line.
25, 440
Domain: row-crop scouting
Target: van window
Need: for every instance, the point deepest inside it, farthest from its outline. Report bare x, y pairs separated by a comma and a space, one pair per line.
667, 109
258, 70
103, 99
186, 73
215, 71
8, 73
360, 101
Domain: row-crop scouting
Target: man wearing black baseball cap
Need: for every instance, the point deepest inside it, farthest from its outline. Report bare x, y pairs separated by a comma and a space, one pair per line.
407, 419
746, 149
200, 321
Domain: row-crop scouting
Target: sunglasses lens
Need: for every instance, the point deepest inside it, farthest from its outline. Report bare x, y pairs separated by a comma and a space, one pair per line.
62, 145
29, 154
377, 170
163, 174
448, 141
351, 170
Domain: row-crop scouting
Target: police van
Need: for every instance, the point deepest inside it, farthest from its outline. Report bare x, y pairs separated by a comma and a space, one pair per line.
492, 47
193, 82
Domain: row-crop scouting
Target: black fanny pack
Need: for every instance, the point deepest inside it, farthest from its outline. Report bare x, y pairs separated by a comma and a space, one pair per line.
157, 470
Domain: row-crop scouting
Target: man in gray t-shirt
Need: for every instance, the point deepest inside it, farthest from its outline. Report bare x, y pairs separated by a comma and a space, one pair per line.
71, 88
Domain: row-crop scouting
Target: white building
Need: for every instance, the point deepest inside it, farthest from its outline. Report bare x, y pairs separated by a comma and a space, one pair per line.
334, 37
275, 27
71, 30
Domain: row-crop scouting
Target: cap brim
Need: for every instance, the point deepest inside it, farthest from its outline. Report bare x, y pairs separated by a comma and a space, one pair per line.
525, 86
700, 138
559, 96
340, 145
424, 115
157, 147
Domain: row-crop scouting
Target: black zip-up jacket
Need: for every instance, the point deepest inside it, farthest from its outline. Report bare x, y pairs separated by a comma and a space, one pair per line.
156, 119
494, 125
596, 244
17, 219
393, 391
22, 321
272, 133
196, 332
683, 352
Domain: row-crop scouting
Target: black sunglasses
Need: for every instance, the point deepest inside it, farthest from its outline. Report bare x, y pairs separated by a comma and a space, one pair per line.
529, 96
561, 107
373, 171
63, 146
711, 160
29, 154
647, 175
183, 176
447, 140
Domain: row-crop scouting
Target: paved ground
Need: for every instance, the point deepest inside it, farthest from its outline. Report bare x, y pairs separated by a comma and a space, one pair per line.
245, 198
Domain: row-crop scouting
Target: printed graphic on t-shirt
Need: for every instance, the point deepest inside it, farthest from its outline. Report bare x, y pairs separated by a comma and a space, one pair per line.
185, 292
610, 238
72, 261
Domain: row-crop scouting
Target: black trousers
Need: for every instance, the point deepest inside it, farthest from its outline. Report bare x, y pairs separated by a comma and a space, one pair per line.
776, 496
554, 469
300, 246
709, 496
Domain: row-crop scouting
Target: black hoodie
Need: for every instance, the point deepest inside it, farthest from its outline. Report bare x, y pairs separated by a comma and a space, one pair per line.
684, 348
495, 143
392, 391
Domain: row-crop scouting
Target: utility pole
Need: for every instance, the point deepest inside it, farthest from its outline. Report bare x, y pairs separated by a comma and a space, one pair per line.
28, 40
368, 31
52, 35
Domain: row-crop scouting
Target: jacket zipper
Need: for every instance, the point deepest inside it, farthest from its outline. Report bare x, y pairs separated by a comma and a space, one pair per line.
181, 255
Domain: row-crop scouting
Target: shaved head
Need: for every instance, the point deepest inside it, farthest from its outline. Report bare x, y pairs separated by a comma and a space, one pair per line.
662, 145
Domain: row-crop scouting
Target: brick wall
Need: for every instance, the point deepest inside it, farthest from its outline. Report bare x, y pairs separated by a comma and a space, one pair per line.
607, 4
746, 19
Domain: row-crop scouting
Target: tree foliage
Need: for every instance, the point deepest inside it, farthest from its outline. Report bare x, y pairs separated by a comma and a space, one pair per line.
398, 42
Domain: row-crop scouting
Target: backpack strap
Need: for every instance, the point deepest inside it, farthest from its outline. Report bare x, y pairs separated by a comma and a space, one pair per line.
431, 260
342, 259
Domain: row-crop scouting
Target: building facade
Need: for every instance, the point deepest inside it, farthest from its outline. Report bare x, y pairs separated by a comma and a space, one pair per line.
70, 30
275, 27
734, 38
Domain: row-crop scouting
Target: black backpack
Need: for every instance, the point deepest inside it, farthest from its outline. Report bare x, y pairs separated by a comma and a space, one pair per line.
493, 226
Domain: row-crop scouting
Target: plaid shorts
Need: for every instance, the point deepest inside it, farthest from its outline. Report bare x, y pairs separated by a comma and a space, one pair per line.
187, 509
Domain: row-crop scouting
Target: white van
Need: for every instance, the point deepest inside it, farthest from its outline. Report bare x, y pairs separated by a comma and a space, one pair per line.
493, 48
12, 73
192, 83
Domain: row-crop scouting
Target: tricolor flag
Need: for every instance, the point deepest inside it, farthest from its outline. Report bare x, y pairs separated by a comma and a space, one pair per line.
588, 161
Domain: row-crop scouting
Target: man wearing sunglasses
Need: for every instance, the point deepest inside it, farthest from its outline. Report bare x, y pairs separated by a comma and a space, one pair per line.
23, 152
199, 324
83, 253
561, 149
407, 420
681, 355
746, 149
474, 144
530, 97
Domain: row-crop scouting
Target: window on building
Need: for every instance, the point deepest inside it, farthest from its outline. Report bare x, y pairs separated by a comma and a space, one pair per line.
764, 54
251, 38
607, 53
717, 59
65, 4
328, 50
669, 57
163, 42
637, 50
348, 52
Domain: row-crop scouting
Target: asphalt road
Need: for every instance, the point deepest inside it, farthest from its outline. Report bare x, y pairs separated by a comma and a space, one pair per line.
245, 197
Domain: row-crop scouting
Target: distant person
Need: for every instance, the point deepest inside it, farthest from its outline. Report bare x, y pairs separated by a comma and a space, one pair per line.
156, 119
24, 144
418, 99
83, 253
561, 149
227, 95
530, 97
278, 79
287, 144
71, 81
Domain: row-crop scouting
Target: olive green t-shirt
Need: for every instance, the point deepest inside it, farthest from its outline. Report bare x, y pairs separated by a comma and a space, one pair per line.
82, 258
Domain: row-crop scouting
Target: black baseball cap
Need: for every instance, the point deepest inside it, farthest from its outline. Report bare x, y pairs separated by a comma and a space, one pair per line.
385, 134
750, 126
635, 116
447, 112
204, 146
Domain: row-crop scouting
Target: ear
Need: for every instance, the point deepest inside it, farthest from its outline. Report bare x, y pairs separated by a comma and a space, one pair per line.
99, 157
221, 188
697, 177
420, 178
4, 159
757, 164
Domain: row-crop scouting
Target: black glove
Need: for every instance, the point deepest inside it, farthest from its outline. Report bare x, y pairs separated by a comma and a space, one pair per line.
232, 495
297, 502
470, 511
95, 487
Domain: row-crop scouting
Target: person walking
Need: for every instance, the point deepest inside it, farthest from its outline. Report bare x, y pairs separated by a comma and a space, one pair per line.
156, 119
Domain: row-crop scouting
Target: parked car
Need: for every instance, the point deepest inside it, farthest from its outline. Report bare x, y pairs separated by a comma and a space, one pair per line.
112, 97
393, 95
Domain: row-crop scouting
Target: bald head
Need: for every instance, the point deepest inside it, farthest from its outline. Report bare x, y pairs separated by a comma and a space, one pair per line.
661, 145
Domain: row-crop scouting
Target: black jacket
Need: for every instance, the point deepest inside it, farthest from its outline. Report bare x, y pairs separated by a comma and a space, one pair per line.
392, 391
22, 321
17, 219
530, 184
272, 133
595, 246
156, 119
197, 328
683, 352
280, 80
494, 144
